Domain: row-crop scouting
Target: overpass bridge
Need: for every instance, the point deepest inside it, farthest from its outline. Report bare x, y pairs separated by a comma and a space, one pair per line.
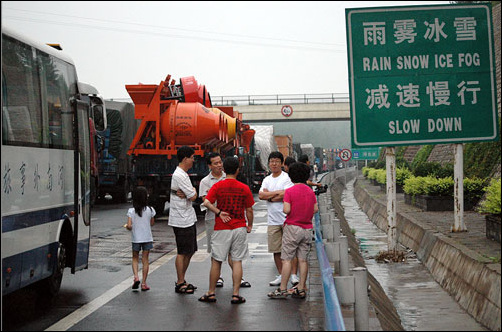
320, 119
288, 107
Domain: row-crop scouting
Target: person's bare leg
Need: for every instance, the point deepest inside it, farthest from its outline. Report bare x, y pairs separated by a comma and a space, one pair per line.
146, 264
135, 264
286, 272
236, 276
214, 274
294, 266
278, 262
304, 270
181, 263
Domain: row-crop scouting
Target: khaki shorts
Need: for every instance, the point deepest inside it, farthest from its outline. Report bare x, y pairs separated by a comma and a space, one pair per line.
295, 242
229, 241
274, 233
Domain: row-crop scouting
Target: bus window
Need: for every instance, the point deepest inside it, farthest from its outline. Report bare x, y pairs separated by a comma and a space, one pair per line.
21, 109
57, 102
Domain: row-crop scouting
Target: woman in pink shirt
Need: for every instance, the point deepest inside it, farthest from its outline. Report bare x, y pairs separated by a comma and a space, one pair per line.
300, 204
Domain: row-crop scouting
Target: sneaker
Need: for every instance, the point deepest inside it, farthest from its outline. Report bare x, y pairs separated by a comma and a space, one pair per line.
219, 283
276, 281
294, 280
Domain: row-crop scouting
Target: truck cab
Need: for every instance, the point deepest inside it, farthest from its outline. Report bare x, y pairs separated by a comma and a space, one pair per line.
97, 123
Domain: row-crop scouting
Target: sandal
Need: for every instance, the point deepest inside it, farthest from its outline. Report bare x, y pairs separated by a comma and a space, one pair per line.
299, 293
219, 283
245, 284
278, 294
208, 298
236, 299
144, 287
194, 287
135, 285
184, 288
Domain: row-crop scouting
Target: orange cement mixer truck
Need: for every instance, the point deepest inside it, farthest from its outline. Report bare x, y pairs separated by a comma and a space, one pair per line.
173, 115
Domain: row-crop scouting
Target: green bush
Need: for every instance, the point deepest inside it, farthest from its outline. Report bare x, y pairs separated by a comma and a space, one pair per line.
381, 176
372, 173
402, 174
415, 185
439, 187
365, 171
444, 171
474, 188
491, 204
432, 186
433, 169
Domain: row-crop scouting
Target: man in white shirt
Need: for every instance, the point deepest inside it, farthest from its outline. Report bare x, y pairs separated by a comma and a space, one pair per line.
215, 175
272, 190
182, 217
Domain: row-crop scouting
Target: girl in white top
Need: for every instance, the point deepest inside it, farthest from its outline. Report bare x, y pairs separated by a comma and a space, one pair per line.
139, 221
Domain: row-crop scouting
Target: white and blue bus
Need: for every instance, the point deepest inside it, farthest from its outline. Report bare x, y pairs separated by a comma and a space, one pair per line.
45, 166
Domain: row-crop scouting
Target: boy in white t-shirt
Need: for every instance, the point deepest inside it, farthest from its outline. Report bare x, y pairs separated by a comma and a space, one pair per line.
272, 190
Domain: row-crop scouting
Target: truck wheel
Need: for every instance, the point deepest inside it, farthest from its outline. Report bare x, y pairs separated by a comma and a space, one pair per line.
49, 287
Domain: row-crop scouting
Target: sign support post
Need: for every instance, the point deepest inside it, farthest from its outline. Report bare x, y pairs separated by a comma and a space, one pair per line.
390, 160
458, 171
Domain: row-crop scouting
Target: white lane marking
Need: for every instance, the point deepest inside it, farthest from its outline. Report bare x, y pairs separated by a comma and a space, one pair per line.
84, 311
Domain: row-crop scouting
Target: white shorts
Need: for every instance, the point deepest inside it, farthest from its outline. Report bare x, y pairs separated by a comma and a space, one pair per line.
230, 241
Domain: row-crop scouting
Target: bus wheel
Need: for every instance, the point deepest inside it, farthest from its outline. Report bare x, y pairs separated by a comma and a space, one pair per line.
50, 287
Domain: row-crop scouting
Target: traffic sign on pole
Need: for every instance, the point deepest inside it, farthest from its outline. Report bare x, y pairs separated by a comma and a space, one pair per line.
421, 75
365, 153
345, 154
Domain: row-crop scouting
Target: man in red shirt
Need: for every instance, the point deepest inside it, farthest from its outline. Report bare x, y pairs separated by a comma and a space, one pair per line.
235, 206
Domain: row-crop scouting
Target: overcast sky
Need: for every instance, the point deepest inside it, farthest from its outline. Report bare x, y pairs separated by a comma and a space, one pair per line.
234, 48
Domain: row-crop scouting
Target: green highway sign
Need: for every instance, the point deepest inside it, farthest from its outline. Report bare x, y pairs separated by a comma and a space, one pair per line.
421, 75
365, 153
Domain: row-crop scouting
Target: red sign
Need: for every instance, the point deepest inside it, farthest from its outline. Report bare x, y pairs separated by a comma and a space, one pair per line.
286, 110
345, 154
